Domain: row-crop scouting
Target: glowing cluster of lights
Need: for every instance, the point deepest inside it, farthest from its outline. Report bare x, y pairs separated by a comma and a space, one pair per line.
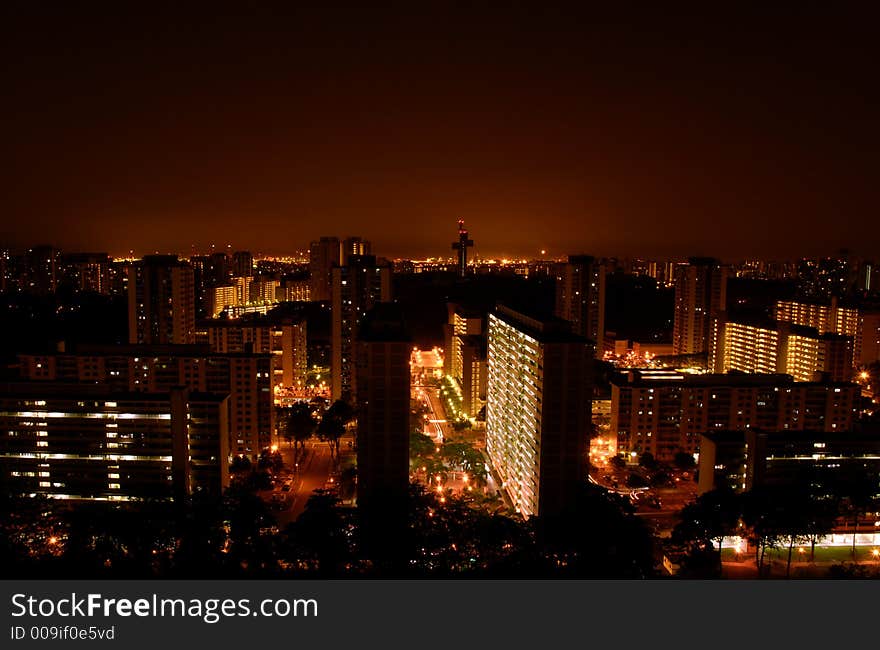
450, 391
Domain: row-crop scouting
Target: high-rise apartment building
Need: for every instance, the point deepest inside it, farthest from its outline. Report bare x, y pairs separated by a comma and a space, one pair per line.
354, 246
538, 410
383, 400
219, 268
700, 293
774, 346
834, 318
283, 337
88, 272
41, 270
324, 254
870, 341
245, 377
465, 356
665, 412
161, 301
88, 442
242, 264
262, 290
580, 296
357, 286
294, 289
743, 460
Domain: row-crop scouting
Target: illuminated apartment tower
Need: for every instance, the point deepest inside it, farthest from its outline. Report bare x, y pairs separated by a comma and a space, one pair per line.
463, 243
465, 356
357, 286
324, 254
775, 346
700, 293
830, 317
161, 301
580, 296
383, 410
538, 411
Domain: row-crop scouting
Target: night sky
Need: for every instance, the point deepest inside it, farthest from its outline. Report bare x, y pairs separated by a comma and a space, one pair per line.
655, 133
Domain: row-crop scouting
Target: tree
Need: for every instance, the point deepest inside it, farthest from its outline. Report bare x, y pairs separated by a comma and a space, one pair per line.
240, 465
299, 425
709, 519
761, 515
618, 462
420, 445
647, 460
857, 488
271, 461
635, 481
684, 460
333, 424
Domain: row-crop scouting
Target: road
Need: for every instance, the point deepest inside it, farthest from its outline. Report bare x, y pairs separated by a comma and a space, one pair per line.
312, 474
437, 414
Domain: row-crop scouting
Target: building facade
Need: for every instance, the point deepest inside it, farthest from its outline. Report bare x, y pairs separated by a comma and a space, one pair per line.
161, 301
580, 296
87, 442
383, 407
700, 293
362, 283
538, 410
666, 412
284, 338
784, 347
743, 460
245, 377
324, 254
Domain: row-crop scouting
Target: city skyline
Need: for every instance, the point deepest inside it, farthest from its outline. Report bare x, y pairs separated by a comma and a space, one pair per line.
439, 291
633, 134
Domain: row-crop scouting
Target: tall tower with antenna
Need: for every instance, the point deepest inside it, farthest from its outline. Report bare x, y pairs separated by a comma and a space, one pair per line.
461, 246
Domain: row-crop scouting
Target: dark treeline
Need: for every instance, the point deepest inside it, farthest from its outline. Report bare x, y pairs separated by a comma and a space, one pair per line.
237, 537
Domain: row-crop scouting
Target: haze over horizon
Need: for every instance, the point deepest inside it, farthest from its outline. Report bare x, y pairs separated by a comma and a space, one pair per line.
652, 133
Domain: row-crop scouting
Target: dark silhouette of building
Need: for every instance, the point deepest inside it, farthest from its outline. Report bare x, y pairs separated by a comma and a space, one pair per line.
357, 286
745, 459
324, 254
700, 294
383, 408
242, 264
89, 272
41, 270
161, 301
580, 296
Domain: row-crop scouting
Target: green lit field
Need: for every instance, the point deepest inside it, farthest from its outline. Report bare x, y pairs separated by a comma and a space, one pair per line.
822, 554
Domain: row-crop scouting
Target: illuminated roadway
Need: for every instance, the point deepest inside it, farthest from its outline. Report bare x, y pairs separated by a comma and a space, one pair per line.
314, 472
